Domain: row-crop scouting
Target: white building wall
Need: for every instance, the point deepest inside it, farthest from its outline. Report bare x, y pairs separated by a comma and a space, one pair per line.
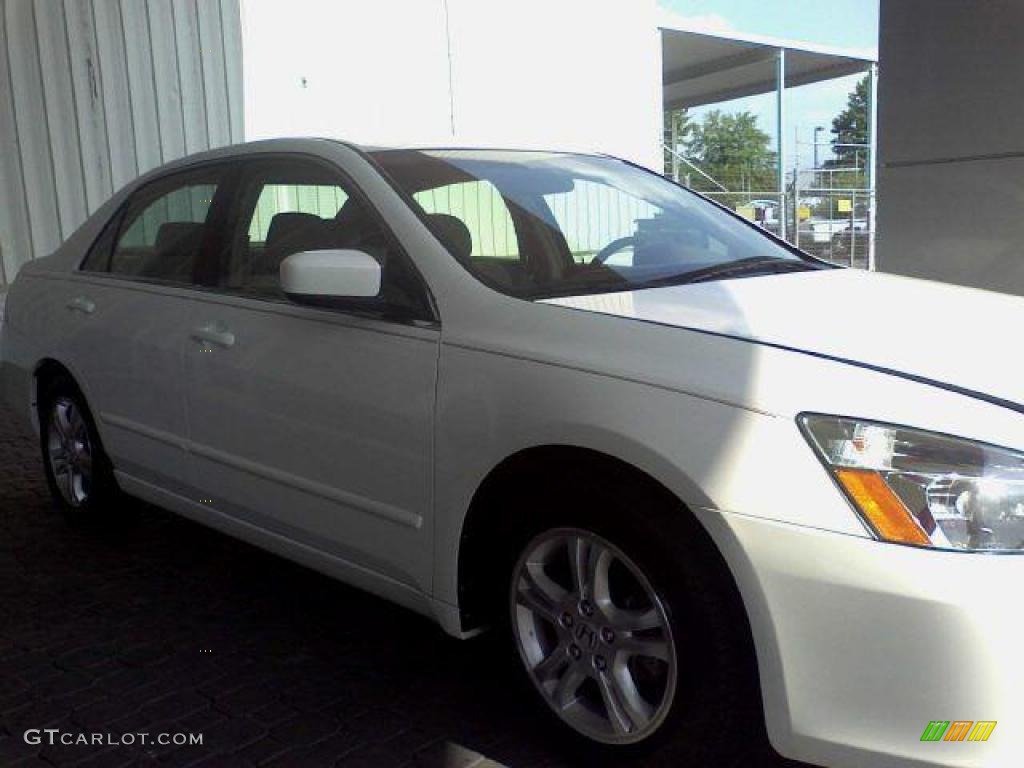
951, 132
96, 92
572, 74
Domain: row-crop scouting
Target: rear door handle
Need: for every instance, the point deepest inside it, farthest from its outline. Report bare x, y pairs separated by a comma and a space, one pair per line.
82, 304
214, 334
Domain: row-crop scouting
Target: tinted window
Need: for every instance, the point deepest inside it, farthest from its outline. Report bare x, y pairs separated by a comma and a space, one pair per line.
321, 200
479, 206
164, 228
541, 224
98, 258
288, 206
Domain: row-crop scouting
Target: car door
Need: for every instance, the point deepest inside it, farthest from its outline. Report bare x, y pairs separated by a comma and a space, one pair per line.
126, 310
310, 422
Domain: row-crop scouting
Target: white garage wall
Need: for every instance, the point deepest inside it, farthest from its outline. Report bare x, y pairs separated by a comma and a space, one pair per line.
579, 74
951, 132
365, 71
573, 74
95, 92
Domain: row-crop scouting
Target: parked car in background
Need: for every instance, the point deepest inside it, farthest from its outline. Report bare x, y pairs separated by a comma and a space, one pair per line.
817, 232
850, 244
691, 472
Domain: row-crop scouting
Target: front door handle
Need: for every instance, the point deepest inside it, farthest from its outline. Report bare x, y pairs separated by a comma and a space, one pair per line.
82, 304
214, 334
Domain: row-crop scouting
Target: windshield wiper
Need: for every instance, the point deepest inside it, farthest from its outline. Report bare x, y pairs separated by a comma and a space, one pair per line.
753, 265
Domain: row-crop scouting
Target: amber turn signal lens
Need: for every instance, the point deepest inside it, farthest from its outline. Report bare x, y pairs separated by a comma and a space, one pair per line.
883, 509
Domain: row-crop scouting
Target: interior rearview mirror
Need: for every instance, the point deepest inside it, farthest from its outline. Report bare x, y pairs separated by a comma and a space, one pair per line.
330, 276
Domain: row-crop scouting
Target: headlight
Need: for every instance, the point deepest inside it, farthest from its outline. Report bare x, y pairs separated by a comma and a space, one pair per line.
923, 488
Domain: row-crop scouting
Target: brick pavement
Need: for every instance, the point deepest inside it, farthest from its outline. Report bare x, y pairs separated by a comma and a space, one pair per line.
162, 626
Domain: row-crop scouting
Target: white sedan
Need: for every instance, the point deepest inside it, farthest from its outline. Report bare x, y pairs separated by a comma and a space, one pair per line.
679, 462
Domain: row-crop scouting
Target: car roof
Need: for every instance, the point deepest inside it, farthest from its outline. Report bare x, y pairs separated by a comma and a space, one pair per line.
307, 143
315, 145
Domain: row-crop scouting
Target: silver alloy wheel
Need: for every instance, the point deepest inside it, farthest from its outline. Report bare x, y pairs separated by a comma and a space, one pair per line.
594, 636
69, 451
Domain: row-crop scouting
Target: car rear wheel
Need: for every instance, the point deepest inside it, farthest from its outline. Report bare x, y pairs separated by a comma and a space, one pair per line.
78, 472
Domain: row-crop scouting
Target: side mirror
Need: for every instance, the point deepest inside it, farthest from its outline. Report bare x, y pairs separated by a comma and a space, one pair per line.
330, 277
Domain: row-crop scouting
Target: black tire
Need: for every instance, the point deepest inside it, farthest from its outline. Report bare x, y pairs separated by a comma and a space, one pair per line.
715, 716
96, 499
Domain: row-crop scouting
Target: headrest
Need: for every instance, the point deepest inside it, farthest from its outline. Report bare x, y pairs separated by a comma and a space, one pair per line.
291, 225
453, 232
174, 234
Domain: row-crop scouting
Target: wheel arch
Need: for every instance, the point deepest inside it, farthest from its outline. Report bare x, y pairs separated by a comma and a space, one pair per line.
45, 371
488, 519
742, 604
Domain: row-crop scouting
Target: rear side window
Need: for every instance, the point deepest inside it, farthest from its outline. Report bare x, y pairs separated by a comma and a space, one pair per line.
98, 258
163, 229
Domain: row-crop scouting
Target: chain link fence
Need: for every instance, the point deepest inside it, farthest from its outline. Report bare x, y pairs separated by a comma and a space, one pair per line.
833, 214
826, 210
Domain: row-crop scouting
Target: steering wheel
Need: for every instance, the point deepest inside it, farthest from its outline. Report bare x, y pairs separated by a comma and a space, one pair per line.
613, 247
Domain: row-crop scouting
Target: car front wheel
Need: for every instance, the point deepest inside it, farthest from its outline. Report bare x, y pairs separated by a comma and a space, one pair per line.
594, 636
628, 625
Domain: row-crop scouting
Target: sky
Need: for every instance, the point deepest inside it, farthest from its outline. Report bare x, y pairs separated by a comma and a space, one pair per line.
851, 24
844, 23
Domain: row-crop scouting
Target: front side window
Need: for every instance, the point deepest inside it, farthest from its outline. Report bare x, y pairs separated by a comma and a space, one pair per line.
287, 206
542, 224
321, 200
164, 228
479, 206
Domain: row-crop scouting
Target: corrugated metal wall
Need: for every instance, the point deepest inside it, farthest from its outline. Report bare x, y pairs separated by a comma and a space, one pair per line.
94, 93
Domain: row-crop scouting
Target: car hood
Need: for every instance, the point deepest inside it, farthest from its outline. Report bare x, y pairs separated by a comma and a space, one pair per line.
962, 338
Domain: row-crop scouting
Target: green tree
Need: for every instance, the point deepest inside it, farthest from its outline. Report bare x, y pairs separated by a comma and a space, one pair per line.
733, 150
848, 127
851, 127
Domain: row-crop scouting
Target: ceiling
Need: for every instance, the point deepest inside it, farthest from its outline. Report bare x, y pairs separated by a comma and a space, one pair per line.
700, 67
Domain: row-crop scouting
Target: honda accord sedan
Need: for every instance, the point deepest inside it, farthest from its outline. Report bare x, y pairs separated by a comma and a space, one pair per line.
690, 472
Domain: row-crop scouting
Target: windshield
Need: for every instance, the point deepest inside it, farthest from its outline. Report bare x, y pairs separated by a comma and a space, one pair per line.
541, 224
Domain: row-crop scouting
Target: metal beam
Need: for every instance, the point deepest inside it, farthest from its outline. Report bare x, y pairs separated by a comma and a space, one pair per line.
780, 115
872, 159
695, 167
762, 85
